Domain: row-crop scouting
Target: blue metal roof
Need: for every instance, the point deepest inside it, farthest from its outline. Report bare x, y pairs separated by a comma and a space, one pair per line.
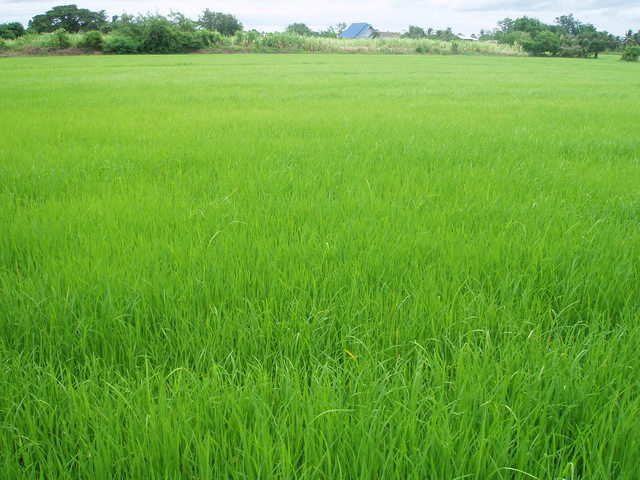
356, 30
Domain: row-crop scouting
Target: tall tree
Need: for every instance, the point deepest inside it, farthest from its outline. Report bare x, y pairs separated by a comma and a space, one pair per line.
12, 30
69, 17
568, 24
224, 23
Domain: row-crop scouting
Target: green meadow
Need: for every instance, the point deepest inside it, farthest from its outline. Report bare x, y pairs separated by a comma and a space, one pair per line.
319, 267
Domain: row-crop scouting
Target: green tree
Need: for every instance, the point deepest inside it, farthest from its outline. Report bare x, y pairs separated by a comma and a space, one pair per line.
182, 22
541, 43
447, 35
631, 53
69, 17
529, 25
514, 37
159, 36
595, 42
223, 23
505, 25
568, 24
631, 38
415, 32
12, 30
300, 29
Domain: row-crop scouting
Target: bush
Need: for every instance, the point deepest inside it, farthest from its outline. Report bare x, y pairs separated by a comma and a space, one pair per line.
3, 44
423, 48
60, 39
121, 45
159, 37
209, 38
251, 36
11, 31
631, 53
188, 41
92, 40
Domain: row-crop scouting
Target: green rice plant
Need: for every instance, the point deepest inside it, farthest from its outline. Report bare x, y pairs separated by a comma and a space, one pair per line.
319, 266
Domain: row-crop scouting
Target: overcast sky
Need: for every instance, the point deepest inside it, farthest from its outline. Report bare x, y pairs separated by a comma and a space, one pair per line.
616, 16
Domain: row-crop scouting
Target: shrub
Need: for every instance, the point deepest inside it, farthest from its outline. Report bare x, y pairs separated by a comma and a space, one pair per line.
92, 40
631, 53
251, 36
209, 38
121, 45
60, 39
423, 48
3, 44
455, 48
158, 37
11, 31
188, 41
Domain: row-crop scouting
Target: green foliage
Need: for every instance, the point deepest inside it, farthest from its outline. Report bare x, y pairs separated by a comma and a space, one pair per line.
128, 37
541, 43
631, 38
182, 22
187, 41
224, 23
631, 53
92, 41
3, 44
568, 24
423, 47
70, 18
280, 41
121, 44
529, 25
11, 31
300, 29
60, 39
415, 32
515, 37
210, 39
447, 35
568, 37
224, 267
159, 37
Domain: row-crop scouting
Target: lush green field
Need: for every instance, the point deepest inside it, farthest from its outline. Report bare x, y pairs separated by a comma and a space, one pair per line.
317, 266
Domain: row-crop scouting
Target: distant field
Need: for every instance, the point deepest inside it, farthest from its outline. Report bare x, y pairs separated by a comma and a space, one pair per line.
319, 266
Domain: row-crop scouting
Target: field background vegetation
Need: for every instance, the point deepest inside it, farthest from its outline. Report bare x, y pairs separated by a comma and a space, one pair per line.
334, 266
249, 42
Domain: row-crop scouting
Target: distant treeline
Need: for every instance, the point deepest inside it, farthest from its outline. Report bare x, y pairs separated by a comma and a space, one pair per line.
567, 37
176, 33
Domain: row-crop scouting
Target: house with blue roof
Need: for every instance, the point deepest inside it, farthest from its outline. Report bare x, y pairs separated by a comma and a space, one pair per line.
358, 30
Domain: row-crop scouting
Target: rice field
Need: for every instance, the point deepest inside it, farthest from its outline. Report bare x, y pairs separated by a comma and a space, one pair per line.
319, 267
